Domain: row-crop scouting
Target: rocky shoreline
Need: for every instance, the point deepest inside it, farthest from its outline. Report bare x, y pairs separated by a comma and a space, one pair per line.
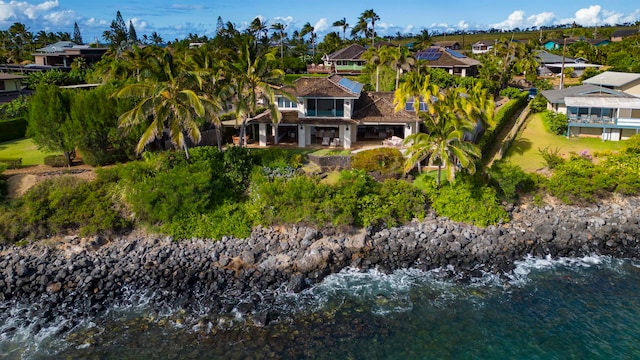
83, 277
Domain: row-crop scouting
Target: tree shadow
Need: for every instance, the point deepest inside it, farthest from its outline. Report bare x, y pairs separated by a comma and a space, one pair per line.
520, 146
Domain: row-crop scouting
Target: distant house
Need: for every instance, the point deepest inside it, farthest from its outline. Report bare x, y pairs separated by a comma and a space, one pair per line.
62, 54
625, 82
344, 61
482, 47
552, 64
334, 111
450, 60
620, 35
559, 43
10, 83
451, 45
596, 111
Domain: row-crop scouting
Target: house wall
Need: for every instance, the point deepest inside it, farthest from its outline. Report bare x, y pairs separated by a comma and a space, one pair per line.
627, 133
633, 89
10, 86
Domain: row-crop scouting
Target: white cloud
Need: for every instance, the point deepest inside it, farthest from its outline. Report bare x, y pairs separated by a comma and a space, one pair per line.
59, 18
542, 19
138, 24
596, 15
21, 10
321, 26
515, 19
32, 11
408, 29
287, 20
462, 25
96, 22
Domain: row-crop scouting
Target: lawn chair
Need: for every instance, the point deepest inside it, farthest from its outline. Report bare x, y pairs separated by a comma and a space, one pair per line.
325, 141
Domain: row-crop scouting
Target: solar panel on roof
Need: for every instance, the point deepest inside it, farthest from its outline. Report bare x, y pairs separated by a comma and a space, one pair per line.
353, 86
430, 54
455, 54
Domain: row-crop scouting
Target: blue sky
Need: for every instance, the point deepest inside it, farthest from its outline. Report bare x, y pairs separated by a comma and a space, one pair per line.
174, 19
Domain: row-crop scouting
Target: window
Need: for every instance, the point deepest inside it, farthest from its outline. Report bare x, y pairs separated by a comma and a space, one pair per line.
409, 106
325, 107
2, 87
284, 103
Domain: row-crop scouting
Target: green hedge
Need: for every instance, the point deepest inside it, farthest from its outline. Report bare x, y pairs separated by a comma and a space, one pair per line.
13, 129
502, 116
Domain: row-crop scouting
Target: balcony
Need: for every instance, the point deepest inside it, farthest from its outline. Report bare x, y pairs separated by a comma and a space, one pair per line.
592, 119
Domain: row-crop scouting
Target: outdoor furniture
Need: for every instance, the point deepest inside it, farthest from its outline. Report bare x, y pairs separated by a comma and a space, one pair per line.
325, 141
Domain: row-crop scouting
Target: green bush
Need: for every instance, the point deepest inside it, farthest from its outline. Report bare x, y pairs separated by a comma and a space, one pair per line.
510, 92
551, 157
60, 205
12, 129
3, 182
509, 179
55, 160
468, 200
555, 122
538, 104
229, 219
578, 180
385, 162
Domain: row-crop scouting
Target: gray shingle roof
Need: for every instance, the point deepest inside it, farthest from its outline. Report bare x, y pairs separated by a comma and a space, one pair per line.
351, 52
613, 78
558, 96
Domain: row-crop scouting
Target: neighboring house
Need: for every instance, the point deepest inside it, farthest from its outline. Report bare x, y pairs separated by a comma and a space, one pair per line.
450, 60
596, 111
344, 61
625, 82
451, 45
482, 47
552, 64
62, 54
334, 111
620, 35
10, 83
559, 43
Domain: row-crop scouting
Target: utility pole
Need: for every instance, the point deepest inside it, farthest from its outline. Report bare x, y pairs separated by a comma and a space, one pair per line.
564, 50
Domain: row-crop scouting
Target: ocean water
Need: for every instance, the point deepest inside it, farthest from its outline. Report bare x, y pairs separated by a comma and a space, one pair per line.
587, 308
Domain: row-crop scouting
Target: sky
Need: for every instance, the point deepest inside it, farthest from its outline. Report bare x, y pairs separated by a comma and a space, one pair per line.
173, 19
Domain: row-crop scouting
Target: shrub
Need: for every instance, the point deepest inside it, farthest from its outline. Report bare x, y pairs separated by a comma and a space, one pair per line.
538, 104
551, 157
509, 179
555, 122
229, 219
578, 180
55, 161
387, 162
468, 200
3, 182
12, 129
510, 92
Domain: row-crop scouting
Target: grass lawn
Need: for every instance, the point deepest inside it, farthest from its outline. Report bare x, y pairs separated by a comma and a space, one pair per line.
525, 153
25, 149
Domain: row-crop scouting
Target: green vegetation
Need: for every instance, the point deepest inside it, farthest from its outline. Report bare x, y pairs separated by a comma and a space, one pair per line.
382, 163
525, 150
555, 122
24, 149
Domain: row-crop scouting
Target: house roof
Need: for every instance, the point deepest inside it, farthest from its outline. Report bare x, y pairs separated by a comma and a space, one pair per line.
377, 107
483, 42
624, 33
441, 57
603, 101
5, 76
447, 43
334, 86
351, 52
60, 46
545, 57
558, 96
613, 78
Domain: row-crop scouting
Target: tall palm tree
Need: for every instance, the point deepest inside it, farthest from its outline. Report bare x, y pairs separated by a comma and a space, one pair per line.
418, 89
401, 60
370, 16
342, 23
308, 29
253, 79
280, 28
377, 57
156, 39
166, 103
207, 64
259, 28
444, 144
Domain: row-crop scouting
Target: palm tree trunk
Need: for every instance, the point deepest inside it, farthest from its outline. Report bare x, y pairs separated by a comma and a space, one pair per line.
438, 178
397, 78
219, 137
275, 134
378, 77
